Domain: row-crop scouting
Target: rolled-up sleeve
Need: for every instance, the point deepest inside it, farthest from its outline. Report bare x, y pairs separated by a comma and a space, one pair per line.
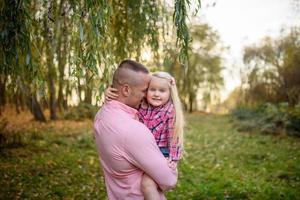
141, 150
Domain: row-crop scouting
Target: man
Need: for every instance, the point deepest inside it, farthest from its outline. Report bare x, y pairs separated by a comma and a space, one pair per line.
126, 147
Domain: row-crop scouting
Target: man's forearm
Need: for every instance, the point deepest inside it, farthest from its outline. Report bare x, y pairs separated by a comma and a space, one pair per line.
169, 183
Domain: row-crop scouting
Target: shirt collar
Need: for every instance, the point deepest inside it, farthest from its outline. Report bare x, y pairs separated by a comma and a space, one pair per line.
119, 105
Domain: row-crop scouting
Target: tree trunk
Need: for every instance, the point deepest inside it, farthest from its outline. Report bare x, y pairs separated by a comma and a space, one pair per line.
51, 85
88, 95
35, 108
52, 101
31, 101
79, 89
60, 97
21, 99
62, 59
2, 92
68, 91
68, 94
51, 69
191, 101
88, 90
17, 102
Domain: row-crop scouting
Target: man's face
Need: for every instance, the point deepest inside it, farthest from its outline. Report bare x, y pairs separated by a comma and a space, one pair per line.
139, 90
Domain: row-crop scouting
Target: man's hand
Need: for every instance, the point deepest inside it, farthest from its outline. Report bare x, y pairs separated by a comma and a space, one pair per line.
111, 94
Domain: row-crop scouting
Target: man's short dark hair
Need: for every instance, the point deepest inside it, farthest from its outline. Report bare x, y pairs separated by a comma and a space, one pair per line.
133, 65
121, 75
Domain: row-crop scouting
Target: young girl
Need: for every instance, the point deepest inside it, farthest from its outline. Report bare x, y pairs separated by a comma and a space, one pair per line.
162, 113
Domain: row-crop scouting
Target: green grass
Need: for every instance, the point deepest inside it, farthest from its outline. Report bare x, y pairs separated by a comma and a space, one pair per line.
220, 163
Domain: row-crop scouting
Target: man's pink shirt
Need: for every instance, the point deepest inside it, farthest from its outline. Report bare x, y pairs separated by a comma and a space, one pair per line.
126, 150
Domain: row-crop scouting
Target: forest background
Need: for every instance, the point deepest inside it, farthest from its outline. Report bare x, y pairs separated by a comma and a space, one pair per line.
57, 59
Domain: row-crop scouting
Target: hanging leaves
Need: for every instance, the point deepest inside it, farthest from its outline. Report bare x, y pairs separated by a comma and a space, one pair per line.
76, 45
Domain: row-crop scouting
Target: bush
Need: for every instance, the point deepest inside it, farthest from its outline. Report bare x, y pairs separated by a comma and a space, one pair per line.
246, 119
10, 138
273, 118
293, 127
80, 112
244, 113
269, 118
246, 125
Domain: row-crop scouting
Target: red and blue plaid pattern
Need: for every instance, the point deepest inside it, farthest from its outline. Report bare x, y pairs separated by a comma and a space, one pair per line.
160, 120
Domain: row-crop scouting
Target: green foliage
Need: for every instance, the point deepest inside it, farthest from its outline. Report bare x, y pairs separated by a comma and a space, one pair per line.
273, 69
244, 113
246, 118
274, 77
76, 45
97, 32
268, 118
203, 72
81, 112
15, 37
273, 119
183, 35
293, 125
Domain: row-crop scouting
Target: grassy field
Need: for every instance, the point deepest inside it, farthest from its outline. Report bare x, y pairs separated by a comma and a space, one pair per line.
58, 160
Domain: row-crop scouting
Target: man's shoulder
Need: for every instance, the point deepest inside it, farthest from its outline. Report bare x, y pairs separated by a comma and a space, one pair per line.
137, 126
119, 118
107, 109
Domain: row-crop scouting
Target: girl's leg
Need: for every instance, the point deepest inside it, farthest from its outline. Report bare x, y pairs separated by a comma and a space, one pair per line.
149, 188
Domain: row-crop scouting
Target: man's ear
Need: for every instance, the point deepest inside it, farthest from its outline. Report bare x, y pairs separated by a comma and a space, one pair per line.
126, 90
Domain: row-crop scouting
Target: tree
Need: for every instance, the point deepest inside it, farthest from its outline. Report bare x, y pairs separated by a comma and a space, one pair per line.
76, 45
274, 69
203, 72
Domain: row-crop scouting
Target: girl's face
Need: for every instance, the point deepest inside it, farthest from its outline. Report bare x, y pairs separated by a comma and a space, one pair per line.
158, 91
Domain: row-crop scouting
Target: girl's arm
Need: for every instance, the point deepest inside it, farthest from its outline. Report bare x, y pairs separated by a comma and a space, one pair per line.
175, 151
174, 148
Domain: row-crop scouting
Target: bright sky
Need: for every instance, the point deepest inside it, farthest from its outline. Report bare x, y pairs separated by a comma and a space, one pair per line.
244, 22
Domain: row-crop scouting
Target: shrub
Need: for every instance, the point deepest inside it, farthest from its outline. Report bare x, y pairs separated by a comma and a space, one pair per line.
244, 113
269, 118
246, 125
273, 118
10, 138
80, 112
293, 127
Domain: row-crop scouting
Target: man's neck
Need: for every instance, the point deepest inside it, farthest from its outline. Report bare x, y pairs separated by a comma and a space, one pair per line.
122, 100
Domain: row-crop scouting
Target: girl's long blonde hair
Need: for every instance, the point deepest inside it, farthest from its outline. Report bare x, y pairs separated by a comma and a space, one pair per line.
179, 118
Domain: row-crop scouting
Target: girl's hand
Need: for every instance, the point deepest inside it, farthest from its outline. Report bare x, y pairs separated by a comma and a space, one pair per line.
171, 164
111, 94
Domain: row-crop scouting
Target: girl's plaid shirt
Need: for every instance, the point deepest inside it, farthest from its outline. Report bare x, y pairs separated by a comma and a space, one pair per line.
160, 120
